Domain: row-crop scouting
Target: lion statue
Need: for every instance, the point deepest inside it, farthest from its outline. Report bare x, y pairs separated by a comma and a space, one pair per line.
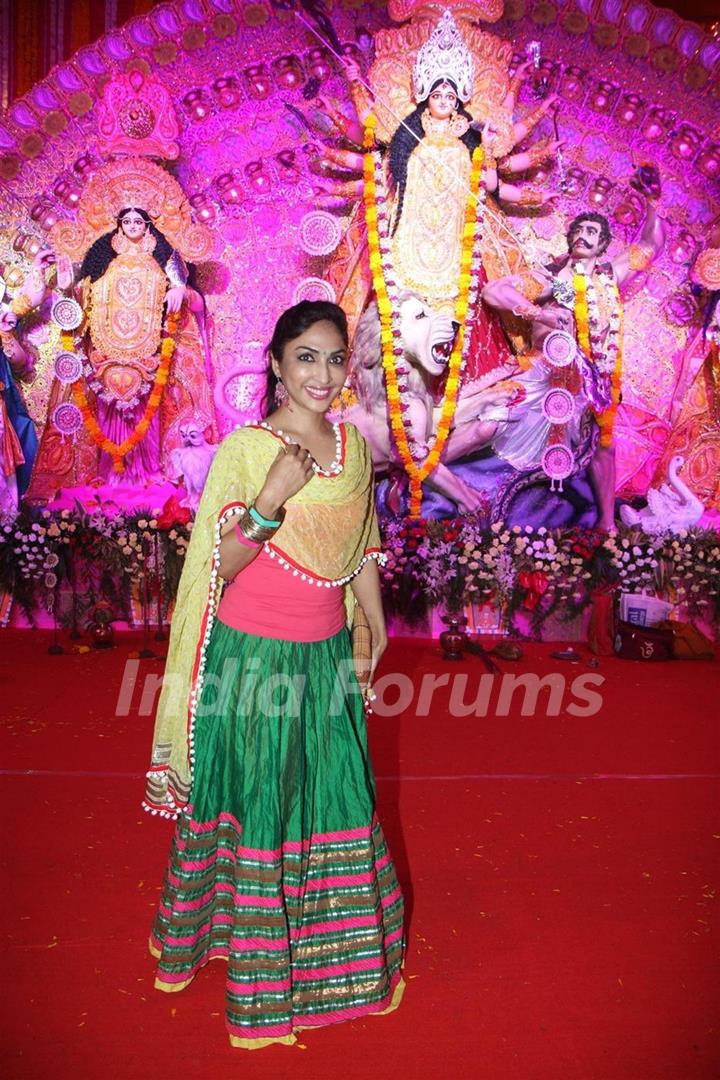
427, 337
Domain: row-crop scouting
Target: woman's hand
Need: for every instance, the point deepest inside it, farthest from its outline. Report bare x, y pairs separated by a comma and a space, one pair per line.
352, 69
174, 298
8, 320
556, 319
288, 474
65, 274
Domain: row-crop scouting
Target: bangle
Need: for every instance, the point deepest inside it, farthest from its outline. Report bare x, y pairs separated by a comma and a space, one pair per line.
527, 311
252, 531
539, 151
265, 522
530, 197
533, 118
21, 305
245, 540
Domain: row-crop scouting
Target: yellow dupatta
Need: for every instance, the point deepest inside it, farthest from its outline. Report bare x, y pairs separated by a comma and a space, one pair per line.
330, 530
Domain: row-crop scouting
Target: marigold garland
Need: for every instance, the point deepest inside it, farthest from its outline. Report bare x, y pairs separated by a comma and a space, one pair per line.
390, 334
119, 451
602, 358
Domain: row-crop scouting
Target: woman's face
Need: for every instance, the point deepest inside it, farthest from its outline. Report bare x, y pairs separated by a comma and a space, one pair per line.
313, 367
442, 102
133, 225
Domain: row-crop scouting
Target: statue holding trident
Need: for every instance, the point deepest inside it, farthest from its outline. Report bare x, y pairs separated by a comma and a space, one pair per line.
431, 187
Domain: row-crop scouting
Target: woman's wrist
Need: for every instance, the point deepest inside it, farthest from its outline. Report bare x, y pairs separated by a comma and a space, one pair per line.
265, 522
378, 629
269, 505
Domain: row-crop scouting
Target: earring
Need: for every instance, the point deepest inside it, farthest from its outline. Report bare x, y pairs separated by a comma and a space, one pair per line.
281, 394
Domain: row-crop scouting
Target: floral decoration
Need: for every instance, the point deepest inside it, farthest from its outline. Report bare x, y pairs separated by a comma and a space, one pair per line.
608, 357
534, 574
66, 561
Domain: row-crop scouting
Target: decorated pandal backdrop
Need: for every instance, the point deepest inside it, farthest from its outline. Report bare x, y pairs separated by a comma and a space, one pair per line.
207, 165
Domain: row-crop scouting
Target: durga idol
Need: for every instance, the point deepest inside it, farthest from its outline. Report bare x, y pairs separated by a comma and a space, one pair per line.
132, 372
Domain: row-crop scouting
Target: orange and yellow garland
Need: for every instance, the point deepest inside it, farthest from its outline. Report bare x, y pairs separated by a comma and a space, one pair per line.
418, 471
605, 419
118, 451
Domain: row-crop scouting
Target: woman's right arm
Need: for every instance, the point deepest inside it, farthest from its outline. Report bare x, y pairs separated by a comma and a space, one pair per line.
288, 474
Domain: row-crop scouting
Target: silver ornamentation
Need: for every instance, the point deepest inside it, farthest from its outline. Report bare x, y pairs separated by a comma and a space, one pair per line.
314, 288
558, 463
559, 348
67, 313
67, 418
558, 405
444, 56
320, 232
68, 367
564, 293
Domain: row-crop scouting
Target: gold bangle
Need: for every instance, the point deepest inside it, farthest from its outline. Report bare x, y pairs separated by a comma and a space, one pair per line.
530, 197
250, 529
539, 151
639, 256
21, 305
533, 118
529, 286
515, 85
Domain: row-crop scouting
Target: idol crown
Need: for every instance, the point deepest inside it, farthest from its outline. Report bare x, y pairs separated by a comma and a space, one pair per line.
444, 56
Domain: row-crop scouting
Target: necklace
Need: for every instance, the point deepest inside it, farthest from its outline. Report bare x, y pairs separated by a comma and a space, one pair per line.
336, 465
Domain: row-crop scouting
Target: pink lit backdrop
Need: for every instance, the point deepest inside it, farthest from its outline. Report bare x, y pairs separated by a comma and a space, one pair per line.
636, 84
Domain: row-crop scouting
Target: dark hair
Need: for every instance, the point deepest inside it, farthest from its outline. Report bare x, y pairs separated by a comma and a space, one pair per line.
407, 136
100, 254
295, 321
598, 219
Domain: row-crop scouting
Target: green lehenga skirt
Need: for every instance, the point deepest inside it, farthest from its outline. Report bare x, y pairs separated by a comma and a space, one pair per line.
279, 864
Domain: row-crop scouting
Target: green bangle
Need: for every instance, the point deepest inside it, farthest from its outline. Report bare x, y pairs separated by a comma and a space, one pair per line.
260, 520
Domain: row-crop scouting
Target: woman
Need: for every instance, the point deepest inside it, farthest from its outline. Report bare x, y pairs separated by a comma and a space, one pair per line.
279, 864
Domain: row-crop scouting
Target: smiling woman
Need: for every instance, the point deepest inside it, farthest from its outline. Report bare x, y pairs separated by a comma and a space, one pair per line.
313, 367
279, 864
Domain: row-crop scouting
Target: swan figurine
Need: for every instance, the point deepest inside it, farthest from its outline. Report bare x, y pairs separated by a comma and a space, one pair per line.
671, 507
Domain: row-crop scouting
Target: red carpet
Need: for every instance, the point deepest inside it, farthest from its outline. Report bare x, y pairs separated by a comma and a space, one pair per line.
560, 871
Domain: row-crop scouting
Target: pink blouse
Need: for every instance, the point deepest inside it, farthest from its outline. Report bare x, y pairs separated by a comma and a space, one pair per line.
267, 600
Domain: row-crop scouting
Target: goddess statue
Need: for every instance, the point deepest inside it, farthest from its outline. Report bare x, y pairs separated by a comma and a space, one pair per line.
136, 369
432, 183
21, 295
